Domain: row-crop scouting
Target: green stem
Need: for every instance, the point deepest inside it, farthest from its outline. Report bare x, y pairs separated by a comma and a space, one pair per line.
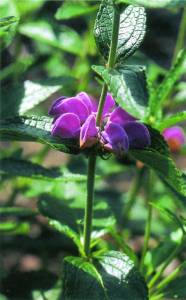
148, 221
181, 36
135, 186
89, 204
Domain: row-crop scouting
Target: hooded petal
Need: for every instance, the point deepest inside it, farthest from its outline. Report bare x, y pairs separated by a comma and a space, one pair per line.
55, 107
76, 106
67, 126
138, 135
175, 137
115, 138
120, 116
108, 105
86, 100
89, 132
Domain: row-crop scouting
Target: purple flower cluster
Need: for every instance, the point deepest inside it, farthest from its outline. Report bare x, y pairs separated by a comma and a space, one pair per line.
175, 138
118, 132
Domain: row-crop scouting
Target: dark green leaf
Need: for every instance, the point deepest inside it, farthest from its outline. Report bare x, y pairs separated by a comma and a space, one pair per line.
16, 212
156, 3
36, 129
131, 29
8, 27
70, 10
18, 99
176, 289
22, 168
66, 39
172, 120
127, 84
114, 276
160, 95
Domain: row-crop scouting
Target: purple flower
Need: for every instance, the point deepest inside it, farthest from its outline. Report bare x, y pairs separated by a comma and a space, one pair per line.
175, 138
75, 117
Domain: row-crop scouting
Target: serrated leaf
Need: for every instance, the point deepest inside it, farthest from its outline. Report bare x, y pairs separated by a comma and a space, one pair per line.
172, 120
8, 26
36, 129
127, 84
120, 278
65, 39
156, 3
23, 168
70, 10
18, 99
160, 95
131, 29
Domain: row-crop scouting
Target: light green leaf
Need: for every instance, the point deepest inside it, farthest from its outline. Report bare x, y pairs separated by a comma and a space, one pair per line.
156, 3
131, 29
70, 10
127, 84
12, 227
25, 7
100, 279
8, 26
172, 120
23, 168
65, 39
36, 129
160, 95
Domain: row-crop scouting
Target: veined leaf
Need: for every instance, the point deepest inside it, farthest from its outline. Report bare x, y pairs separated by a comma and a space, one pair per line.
158, 98
172, 120
23, 168
127, 84
70, 10
35, 129
98, 280
66, 39
131, 29
156, 3
8, 27
17, 100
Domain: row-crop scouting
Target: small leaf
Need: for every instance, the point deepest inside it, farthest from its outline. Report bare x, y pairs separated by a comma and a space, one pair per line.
18, 99
155, 3
36, 129
160, 95
127, 84
73, 10
172, 120
8, 26
65, 39
131, 29
113, 276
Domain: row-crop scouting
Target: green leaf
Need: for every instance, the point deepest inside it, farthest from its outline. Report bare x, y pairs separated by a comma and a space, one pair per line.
113, 276
131, 29
23, 168
127, 84
160, 95
65, 39
36, 129
156, 3
18, 99
16, 212
70, 10
12, 227
172, 120
8, 26
25, 7
176, 289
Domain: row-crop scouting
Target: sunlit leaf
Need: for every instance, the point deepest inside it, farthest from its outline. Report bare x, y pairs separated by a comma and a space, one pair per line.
8, 26
70, 10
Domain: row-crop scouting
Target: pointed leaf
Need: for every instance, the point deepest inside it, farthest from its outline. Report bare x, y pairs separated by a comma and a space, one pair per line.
127, 84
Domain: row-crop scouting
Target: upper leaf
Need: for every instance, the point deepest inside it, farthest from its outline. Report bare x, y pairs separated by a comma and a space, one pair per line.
156, 3
36, 129
127, 84
131, 29
113, 276
18, 99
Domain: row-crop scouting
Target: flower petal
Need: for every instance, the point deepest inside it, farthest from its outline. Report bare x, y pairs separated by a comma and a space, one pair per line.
89, 132
175, 137
138, 135
108, 105
86, 100
67, 126
54, 109
115, 138
120, 116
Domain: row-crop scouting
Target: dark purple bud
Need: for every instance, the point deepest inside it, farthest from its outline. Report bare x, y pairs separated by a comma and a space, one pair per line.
54, 110
138, 135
